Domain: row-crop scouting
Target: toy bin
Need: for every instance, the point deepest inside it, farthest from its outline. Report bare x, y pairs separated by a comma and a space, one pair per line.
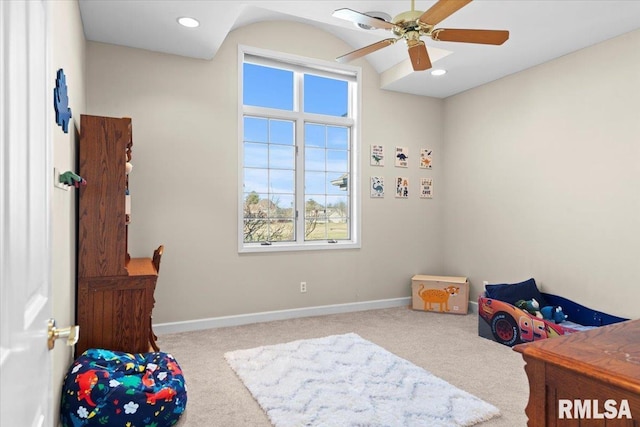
443, 294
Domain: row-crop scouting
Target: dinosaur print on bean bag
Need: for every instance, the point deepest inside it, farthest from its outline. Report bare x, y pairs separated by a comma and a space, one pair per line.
111, 388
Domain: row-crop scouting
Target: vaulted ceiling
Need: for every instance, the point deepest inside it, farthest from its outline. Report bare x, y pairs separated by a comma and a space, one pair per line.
540, 30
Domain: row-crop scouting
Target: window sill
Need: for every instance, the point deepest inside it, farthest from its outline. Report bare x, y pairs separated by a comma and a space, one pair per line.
289, 247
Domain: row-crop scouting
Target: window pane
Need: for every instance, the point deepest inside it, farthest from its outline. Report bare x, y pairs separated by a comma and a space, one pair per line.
314, 159
337, 137
253, 230
326, 224
315, 230
256, 129
281, 132
337, 161
284, 204
255, 216
255, 155
325, 96
281, 230
262, 230
256, 180
254, 205
339, 183
267, 87
315, 182
337, 228
268, 218
314, 135
326, 179
281, 181
314, 218
337, 206
281, 156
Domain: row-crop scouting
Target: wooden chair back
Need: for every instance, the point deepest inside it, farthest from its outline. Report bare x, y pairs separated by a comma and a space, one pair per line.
157, 255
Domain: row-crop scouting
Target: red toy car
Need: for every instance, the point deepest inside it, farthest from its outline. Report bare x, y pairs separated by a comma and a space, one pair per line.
510, 325
507, 324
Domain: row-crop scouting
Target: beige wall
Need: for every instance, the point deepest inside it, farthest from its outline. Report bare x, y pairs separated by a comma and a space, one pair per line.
542, 178
535, 175
67, 47
539, 177
184, 182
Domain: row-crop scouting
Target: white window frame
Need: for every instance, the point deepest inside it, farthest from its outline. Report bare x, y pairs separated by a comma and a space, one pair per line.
321, 68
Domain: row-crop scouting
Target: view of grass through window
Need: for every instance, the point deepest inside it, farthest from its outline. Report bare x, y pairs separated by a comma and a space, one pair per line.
295, 135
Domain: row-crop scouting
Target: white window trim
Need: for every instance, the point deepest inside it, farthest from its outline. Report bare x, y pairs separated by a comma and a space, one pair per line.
350, 73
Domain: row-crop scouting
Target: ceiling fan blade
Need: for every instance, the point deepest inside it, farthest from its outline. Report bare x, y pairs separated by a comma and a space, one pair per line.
419, 56
365, 50
361, 18
441, 10
495, 37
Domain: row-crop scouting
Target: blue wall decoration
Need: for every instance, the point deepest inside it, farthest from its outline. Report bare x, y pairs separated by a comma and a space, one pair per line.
61, 101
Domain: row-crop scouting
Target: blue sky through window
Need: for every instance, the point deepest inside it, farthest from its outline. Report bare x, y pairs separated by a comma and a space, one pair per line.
267, 87
273, 88
269, 143
325, 96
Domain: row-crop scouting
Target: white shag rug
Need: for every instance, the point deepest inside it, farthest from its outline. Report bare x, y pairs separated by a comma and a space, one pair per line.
345, 380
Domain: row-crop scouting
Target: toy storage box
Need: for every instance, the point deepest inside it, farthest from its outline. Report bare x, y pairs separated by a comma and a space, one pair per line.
442, 294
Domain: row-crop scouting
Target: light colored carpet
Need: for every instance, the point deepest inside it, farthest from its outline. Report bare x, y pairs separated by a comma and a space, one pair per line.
447, 345
345, 380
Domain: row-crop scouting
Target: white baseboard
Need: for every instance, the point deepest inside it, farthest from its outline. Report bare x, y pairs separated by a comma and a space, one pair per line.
268, 316
473, 307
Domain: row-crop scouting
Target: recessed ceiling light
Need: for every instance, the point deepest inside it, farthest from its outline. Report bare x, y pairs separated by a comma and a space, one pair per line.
188, 22
438, 72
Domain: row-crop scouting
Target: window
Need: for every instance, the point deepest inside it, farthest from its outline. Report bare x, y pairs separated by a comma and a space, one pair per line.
299, 171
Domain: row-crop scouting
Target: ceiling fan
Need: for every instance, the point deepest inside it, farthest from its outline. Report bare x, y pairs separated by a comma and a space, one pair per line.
412, 25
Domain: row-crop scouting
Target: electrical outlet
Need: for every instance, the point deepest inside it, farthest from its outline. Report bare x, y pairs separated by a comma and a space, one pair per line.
303, 287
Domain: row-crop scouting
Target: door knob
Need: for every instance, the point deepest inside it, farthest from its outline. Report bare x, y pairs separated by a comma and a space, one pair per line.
71, 333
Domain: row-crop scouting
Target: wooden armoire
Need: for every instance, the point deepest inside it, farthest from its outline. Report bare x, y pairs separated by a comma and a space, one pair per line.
114, 291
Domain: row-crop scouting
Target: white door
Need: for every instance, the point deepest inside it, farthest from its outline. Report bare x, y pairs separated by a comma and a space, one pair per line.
25, 185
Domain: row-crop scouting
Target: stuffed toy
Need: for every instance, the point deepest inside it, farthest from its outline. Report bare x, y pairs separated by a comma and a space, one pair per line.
70, 178
531, 306
553, 313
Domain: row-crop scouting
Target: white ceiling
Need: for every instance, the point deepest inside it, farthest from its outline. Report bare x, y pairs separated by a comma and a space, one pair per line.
540, 30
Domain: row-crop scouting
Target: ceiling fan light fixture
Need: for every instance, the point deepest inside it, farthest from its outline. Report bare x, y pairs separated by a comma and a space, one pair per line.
188, 22
438, 72
378, 15
414, 24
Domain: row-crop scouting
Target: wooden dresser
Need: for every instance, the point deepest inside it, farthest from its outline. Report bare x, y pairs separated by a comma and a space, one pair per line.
601, 364
114, 291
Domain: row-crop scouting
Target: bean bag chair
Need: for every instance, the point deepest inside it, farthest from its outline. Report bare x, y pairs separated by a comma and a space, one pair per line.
112, 388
